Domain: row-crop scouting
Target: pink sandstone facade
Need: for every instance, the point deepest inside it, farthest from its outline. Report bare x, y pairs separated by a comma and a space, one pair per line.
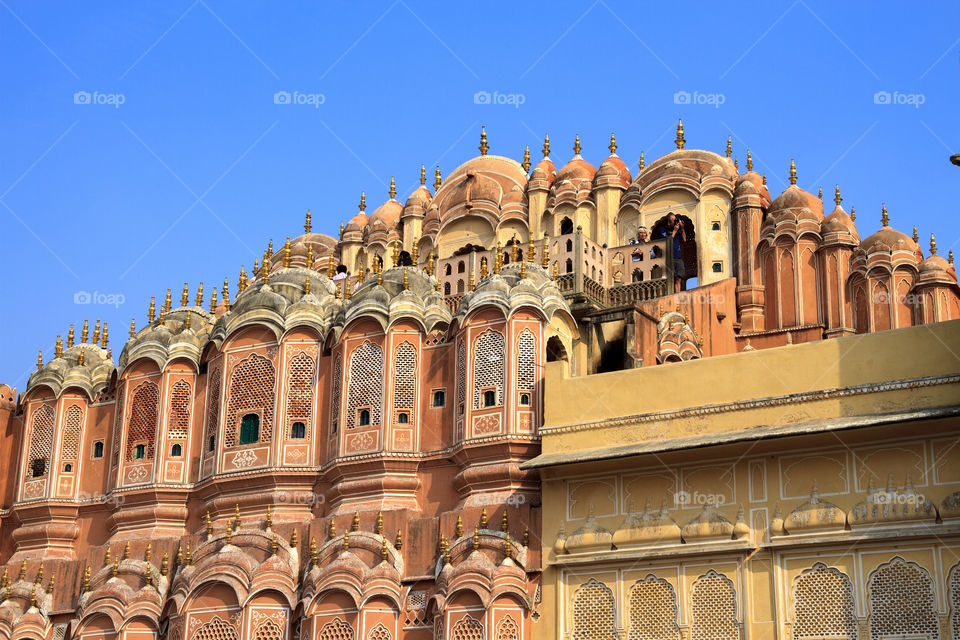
334, 456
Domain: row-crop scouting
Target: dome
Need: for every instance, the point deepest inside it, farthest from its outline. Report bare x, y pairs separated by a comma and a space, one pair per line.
612, 172
575, 170
935, 264
92, 375
388, 213
508, 291
172, 338
888, 239
838, 227
421, 198
404, 292
478, 187
794, 198
815, 514
699, 162
543, 174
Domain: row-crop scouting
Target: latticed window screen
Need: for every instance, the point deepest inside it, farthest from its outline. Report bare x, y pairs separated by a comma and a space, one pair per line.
70, 442
714, 608
902, 602
508, 629
653, 610
178, 422
467, 628
404, 378
336, 629
213, 406
215, 629
268, 630
379, 632
365, 383
823, 604
251, 389
461, 374
300, 384
335, 386
594, 612
142, 427
526, 348
118, 423
41, 438
488, 364
954, 597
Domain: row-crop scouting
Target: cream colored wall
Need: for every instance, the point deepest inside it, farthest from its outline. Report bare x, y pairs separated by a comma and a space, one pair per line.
464, 231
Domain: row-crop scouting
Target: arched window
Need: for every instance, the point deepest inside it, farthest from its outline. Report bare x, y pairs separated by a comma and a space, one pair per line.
525, 399
461, 267
300, 384
70, 440
488, 367
566, 226
569, 245
298, 431
98, 449
823, 604
714, 608
249, 428
38, 467
178, 421
142, 428
403, 417
653, 610
489, 398
336, 629
526, 356
447, 270
176, 450
460, 286
569, 265
212, 443
446, 288
439, 398
404, 380
213, 402
68, 468
594, 612
252, 385
889, 587
336, 384
365, 385
467, 628
363, 420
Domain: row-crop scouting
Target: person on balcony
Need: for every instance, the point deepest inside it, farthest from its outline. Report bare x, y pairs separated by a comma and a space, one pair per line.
674, 229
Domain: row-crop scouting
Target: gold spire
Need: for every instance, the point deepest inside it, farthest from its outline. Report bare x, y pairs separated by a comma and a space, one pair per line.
415, 253
436, 179
508, 547
168, 302
286, 253
265, 269
126, 551
269, 518
107, 559
331, 268
355, 525
384, 554
199, 300
916, 236
58, 347
116, 568
85, 585
459, 528
306, 286
148, 554
749, 161
23, 567
523, 269
187, 556
484, 147
526, 160
430, 263
213, 300
763, 179
933, 245
310, 256
363, 201
729, 145
483, 518
398, 542
950, 256
406, 282
642, 163
820, 194
242, 282
273, 544
680, 140
186, 322
736, 164
294, 540
393, 188
313, 552
96, 332
84, 332
504, 522
498, 260
513, 248
308, 224
545, 254
178, 559
226, 294
346, 541
546, 145
526, 536
152, 309
613, 145
484, 268
209, 526
40, 359
576, 145
332, 530
531, 251
185, 296
793, 172
472, 284
476, 539
884, 218
80, 359
395, 256
836, 196
104, 337
229, 531
853, 213
423, 175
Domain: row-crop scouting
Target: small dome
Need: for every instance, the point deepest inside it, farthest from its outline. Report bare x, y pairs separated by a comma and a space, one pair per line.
575, 170
613, 172
388, 213
935, 264
795, 198
543, 174
357, 222
889, 239
418, 201
815, 514
839, 225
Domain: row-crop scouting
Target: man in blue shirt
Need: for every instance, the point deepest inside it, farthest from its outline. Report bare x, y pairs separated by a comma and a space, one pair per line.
674, 229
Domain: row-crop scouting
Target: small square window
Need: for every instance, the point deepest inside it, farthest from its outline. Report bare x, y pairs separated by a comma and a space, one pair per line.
212, 443
439, 398
718, 267
489, 398
715, 226
249, 428
176, 451
363, 418
403, 418
140, 452
98, 449
525, 399
298, 431
68, 468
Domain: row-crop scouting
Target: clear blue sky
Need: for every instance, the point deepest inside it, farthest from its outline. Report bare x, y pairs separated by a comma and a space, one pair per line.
198, 167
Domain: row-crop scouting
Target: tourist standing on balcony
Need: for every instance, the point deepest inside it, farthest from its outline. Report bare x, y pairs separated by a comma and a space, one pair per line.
674, 229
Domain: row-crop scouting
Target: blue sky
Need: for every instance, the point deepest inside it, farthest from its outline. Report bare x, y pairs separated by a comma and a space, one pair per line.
197, 167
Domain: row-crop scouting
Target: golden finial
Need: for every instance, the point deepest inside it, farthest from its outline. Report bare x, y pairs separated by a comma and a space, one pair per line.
576, 145
513, 248
504, 522
346, 541
179, 557
116, 568
58, 347
680, 140
459, 528
186, 322
933, 245
85, 332
213, 300
545, 254
110, 353
104, 337
384, 554
313, 552
23, 567
273, 544
269, 518
736, 164
308, 225
749, 161
763, 179
526, 160
415, 252
148, 577
476, 539
165, 564
266, 271
85, 585
96, 332
642, 163
393, 188
398, 542
306, 286
379, 277
884, 218
526, 536
442, 545
148, 554
423, 175
346, 287
836, 196
33, 596
310, 256
380, 523
523, 269
242, 282
331, 268
531, 251
225, 293
236, 512
508, 547
546, 145
286, 253
950, 256
185, 295
430, 263
40, 360
916, 236
498, 259
483, 518
294, 540
355, 525
613, 145
81, 357
229, 531
199, 301
39, 577
820, 194
436, 179
472, 284
484, 147
729, 145
187, 556
151, 311
484, 268
332, 530
793, 172
133, 327
126, 551
396, 253
555, 271
209, 526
